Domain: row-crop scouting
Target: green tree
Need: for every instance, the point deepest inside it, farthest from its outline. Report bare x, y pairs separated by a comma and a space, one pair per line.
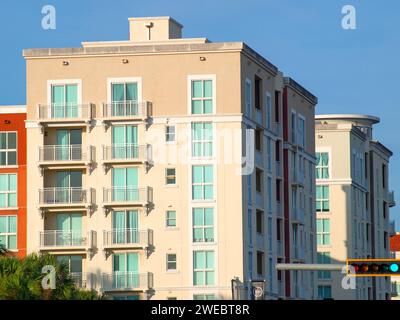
21, 279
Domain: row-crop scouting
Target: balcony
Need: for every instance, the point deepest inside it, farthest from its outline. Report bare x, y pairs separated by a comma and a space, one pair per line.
298, 253
75, 197
121, 196
83, 280
65, 113
125, 110
127, 281
391, 199
68, 156
51, 240
298, 216
298, 179
128, 238
126, 153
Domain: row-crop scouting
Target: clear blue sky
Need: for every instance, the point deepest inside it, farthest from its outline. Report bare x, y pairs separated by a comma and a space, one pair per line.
351, 71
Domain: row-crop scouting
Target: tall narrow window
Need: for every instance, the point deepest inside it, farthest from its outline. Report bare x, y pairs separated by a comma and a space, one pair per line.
384, 176
124, 142
268, 111
202, 96
8, 148
260, 263
64, 101
203, 268
170, 176
323, 232
8, 232
171, 219
170, 134
202, 139
269, 155
324, 258
248, 98
293, 127
322, 199
258, 139
171, 262
124, 98
8, 190
324, 292
203, 225
202, 182
302, 131
258, 92
322, 168
260, 222
277, 99
259, 180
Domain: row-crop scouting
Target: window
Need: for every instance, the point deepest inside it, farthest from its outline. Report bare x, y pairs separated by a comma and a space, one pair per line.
202, 139
259, 179
248, 98
268, 106
8, 190
322, 168
250, 225
324, 292
258, 139
8, 232
8, 148
249, 188
202, 96
260, 263
269, 186
260, 221
250, 257
203, 224
202, 182
322, 198
124, 97
383, 176
323, 232
203, 268
64, 101
170, 133
277, 99
302, 131
204, 296
324, 258
170, 176
171, 219
269, 155
293, 127
257, 92
171, 262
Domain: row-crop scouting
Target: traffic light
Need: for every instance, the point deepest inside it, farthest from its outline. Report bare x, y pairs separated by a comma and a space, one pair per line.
373, 267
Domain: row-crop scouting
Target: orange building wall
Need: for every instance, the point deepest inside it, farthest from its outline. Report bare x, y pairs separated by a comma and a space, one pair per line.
16, 122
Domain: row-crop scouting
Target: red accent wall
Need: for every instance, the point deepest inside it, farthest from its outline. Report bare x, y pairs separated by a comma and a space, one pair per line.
16, 122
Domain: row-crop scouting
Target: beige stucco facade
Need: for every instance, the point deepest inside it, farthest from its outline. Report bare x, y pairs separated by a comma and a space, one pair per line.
164, 68
357, 209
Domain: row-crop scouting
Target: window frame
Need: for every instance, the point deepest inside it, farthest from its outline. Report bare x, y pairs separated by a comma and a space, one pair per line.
8, 192
205, 269
203, 142
168, 176
322, 233
7, 150
203, 184
320, 168
322, 200
204, 226
9, 234
169, 134
167, 218
204, 77
168, 262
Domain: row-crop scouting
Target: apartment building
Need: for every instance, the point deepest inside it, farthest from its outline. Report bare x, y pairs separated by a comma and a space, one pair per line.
163, 167
352, 202
13, 179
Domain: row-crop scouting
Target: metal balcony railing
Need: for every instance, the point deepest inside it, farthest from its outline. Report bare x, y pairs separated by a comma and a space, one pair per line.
65, 111
126, 109
60, 238
66, 153
67, 196
127, 152
128, 237
125, 194
83, 280
127, 281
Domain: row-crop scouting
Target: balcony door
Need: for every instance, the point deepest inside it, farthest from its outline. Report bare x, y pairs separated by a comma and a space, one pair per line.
124, 98
69, 229
126, 270
69, 144
124, 142
69, 187
73, 262
125, 184
64, 101
125, 227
